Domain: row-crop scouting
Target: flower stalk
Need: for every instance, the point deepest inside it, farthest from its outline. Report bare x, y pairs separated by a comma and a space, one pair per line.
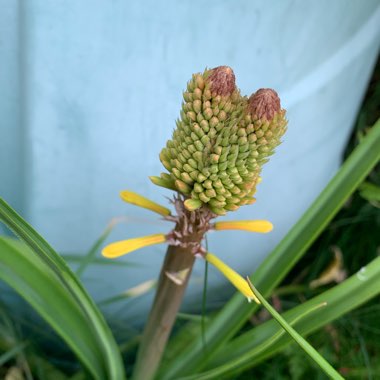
174, 276
214, 162
185, 243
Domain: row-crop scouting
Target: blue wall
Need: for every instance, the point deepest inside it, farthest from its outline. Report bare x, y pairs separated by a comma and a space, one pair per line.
90, 91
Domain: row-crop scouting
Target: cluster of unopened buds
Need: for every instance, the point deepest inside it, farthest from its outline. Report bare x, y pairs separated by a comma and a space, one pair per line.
214, 160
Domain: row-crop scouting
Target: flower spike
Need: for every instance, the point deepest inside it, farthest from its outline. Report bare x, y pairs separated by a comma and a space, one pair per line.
261, 226
139, 200
238, 281
221, 142
124, 247
192, 204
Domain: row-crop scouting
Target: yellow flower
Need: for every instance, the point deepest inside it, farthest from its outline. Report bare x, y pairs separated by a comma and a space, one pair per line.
236, 280
124, 247
262, 226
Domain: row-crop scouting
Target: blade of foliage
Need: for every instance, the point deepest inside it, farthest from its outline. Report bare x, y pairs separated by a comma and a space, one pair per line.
250, 348
35, 282
109, 358
223, 370
370, 191
75, 258
45, 370
87, 259
282, 259
10, 354
303, 343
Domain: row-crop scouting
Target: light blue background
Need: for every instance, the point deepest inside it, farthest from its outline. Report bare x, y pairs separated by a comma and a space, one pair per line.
90, 91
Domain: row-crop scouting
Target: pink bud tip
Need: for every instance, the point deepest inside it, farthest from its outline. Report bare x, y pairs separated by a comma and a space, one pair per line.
264, 103
222, 81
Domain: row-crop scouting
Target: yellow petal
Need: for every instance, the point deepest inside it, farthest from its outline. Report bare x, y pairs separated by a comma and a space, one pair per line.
138, 200
123, 247
238, 281
262, 226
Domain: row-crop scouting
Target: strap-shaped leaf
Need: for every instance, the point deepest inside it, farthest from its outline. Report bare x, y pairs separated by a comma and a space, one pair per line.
257, 344
106, 358
42, 289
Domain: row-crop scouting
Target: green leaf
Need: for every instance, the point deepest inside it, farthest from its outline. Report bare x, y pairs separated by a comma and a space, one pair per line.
370, 192
306, 346
42, 272
283, 258
230, 366
75, 258
35, 282
252, 347
11, 353
87, 259
44, 370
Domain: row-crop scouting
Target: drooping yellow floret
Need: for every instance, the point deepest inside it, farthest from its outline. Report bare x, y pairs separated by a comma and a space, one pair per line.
124, 247
238, 281
261, 226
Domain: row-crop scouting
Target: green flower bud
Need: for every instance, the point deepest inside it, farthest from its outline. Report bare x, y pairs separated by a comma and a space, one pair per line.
193, 163
198, 187
201, 178
217, 204
182, 187
163, 183
200, 82
194, 175
204, 198
213, 122
205, 126
193, 204
197, 106
187, 168
186, 178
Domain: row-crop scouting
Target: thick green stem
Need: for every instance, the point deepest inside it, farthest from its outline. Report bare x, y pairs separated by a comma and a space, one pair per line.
173, 280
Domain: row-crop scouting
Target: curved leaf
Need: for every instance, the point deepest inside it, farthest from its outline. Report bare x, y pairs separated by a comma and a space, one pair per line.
103, 353
252, 347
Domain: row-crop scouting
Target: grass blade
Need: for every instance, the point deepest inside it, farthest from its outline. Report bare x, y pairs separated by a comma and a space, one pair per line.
251, 348
87, 259
75, 258
10, 354
224, 370
282, 259
370, 192
304, 344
